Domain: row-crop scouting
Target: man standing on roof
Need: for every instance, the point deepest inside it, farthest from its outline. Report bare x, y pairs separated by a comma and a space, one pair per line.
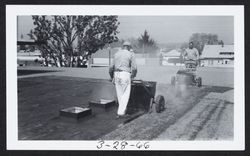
122, 69
191, 53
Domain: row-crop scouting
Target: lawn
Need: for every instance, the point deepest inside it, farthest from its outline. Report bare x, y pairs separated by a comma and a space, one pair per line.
41, 98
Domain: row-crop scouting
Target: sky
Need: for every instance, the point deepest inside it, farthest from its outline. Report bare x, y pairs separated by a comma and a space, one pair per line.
163, 29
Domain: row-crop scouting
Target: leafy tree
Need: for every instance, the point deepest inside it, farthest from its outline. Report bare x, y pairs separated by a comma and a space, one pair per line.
66, 36
145, 40
146, 43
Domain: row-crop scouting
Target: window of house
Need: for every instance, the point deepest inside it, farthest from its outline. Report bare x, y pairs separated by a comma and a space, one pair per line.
226, 53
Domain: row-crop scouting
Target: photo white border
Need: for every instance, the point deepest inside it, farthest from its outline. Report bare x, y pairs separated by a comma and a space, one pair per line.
12, 11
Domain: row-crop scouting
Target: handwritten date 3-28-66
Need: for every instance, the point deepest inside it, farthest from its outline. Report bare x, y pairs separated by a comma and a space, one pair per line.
122, 145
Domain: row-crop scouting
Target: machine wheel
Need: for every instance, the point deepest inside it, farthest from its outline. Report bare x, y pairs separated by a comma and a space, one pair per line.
199, 82
159, 104
173, 80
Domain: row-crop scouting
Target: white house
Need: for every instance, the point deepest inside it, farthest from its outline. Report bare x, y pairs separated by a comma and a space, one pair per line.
25, 55
218, 55
171, 58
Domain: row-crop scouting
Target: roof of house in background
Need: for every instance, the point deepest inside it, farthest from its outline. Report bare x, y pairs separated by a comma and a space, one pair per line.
213, 51
172, 53
25, 53
28, 42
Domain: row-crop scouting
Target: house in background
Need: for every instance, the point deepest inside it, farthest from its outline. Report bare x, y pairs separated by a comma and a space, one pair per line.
102, 56
218, 56
27, 53
171, 58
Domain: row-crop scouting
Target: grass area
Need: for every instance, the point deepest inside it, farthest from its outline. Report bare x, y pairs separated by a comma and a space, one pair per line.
41, 98
29, 72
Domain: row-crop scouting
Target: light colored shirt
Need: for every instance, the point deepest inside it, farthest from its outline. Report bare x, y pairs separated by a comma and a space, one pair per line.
191, 54
124, 60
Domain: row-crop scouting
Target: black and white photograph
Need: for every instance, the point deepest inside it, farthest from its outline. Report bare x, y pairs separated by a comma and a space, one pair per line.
156, 78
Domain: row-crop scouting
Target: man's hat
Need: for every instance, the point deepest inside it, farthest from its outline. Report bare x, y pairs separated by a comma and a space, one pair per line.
126, 43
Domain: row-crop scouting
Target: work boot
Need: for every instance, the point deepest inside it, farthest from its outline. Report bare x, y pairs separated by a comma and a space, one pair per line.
122, 116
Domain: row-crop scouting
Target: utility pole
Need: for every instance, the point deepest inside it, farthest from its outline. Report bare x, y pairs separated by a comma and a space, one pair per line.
109, 48
143, 49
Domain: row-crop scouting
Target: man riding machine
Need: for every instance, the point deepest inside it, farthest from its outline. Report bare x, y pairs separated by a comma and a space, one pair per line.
188, 75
